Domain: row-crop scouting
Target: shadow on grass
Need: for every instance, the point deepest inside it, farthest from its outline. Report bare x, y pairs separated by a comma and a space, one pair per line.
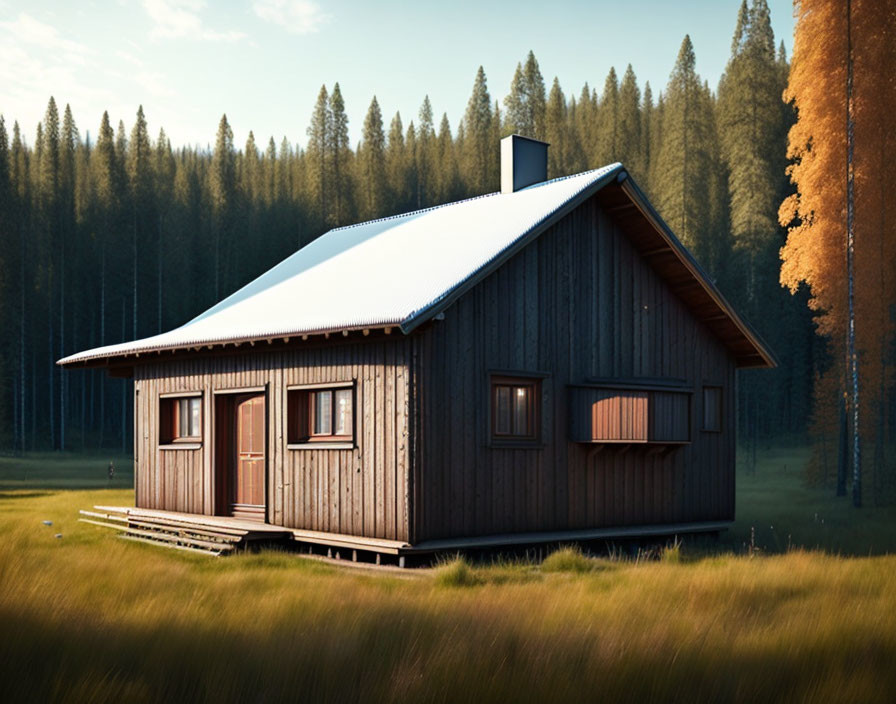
10, 495
398, 653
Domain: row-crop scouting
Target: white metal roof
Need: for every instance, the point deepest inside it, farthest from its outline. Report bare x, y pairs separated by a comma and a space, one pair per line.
392, 271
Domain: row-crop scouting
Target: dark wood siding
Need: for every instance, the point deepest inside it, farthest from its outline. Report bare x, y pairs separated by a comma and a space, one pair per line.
578, 303
360, 491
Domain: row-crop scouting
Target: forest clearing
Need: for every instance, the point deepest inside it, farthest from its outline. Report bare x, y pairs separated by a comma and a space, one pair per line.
584, 364
808, 609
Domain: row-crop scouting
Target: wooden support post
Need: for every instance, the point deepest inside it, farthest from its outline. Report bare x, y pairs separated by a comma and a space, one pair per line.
330, 552
401, 561
378, 558
354, 555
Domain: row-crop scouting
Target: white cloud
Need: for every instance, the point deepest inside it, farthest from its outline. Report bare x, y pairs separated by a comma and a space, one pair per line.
180, 18
37, 61
28, 30
295, 16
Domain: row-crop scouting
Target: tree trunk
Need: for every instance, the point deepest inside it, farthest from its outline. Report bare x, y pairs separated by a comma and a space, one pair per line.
852, 361
102, 376
842, 448
159, 277
56, 369
22, 337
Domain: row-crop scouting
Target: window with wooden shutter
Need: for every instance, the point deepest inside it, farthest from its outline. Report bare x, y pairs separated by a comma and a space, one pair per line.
321, 414
180, 419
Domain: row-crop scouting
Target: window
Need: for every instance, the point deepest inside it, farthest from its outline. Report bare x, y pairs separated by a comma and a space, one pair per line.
712, 409
630, 411
180, 419
321, 414
515, 404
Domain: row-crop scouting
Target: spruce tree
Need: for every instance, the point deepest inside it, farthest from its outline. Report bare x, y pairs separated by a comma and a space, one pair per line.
319, 140
536, 104
629, 124
139, 170
412, 177
647, 120
396, 167
223, 199
448, 172
340, 157
607, 148
586, 128
752, 146
478, 163
557, 131
427, 162
684, 161
164, 172
525, 105
373, 189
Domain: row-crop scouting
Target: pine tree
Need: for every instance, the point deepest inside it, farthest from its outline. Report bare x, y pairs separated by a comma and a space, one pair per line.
749, 128
139, 170
478, 166
164, 175
319, 141
412, 177
647, 121
396, 167
449, 187
557, 131
586, 127
223, 199
426, 156
629, 124
525, 104
607, 147
684, 162
340, 156
373, 189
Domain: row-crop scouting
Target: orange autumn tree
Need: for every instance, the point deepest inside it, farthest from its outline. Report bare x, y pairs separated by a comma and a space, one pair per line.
815, 215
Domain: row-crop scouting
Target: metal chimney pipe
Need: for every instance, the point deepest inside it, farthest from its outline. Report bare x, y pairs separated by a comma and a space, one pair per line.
524, 161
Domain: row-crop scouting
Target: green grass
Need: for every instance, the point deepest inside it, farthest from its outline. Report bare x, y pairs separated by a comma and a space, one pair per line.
65, 471
784, 513
87, 617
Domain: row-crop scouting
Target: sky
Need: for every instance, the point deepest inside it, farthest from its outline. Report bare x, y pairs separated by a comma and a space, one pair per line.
262, 62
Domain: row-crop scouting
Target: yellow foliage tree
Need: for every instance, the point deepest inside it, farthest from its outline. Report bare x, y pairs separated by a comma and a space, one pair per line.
815, 251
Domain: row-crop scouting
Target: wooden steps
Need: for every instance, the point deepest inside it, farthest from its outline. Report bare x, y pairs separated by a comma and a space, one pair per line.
210, 535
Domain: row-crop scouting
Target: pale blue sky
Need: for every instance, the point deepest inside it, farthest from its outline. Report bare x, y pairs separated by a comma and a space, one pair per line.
263, 61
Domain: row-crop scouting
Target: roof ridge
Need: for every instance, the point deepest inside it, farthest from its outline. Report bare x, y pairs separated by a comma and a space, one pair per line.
396, 216
419, 211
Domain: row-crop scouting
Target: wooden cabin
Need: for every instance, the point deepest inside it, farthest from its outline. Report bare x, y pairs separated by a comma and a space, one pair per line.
539, 364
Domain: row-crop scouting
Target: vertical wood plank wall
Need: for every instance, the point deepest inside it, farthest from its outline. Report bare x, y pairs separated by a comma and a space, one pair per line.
578, 302
363, 491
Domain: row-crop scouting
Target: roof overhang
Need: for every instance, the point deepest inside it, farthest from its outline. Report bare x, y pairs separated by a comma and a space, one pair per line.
627, 205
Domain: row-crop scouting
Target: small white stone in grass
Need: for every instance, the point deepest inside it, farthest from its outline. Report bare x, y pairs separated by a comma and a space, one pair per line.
48, 523
58, 535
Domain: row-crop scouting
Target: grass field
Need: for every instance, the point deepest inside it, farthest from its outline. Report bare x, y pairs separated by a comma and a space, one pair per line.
86, 617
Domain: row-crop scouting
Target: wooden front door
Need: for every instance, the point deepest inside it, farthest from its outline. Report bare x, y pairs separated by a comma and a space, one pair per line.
247, 495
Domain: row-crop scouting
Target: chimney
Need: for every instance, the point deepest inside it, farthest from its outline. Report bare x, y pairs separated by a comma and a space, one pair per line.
524, 161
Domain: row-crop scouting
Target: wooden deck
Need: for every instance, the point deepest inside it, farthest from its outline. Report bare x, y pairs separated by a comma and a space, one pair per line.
222, 534
225, 533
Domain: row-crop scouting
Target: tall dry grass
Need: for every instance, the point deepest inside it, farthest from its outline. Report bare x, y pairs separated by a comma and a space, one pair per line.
87, 617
